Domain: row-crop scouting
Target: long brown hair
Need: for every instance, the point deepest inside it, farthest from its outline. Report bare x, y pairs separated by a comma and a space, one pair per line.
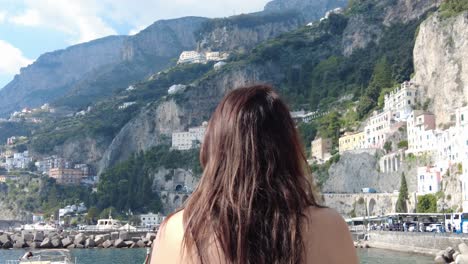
255, 184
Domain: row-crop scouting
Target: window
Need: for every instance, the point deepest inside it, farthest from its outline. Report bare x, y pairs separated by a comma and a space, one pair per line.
430, 188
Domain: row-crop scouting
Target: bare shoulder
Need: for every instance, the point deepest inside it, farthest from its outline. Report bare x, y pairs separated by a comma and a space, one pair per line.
175, 222
168, 243
326, 233
324, 217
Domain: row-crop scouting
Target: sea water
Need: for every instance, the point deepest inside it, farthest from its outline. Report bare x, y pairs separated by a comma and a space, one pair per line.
137, 256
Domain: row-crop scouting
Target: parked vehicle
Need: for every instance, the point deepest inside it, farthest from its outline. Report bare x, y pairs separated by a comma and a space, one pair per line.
434, 228
368, 190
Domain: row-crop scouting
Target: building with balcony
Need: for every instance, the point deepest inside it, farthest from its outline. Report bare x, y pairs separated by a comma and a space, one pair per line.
352, 141
191, 57
401, 101
151, 220
422, 136
66, 176
377, 128
190, 139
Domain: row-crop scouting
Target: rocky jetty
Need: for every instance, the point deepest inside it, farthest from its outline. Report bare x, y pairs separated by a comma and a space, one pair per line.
73, 239
450, 255
361, 244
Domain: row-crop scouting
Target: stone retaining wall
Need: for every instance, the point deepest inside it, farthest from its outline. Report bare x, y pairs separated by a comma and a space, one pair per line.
427, 243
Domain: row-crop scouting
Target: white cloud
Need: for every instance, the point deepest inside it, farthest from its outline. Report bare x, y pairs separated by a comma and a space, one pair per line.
12, 59
28, 18
84, 20
2, 16
78, 19
145, 12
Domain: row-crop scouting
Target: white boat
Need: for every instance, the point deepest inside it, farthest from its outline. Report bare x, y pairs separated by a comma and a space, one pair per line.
49, 256
106, 224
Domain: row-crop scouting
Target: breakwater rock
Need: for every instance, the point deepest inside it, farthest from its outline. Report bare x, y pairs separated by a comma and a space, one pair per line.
74, 239
450, 255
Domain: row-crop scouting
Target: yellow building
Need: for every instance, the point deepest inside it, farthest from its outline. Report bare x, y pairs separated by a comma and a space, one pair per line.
66, 176
352, 141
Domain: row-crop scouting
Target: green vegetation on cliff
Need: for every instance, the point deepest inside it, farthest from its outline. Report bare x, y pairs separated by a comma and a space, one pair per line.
450, 8
245, 21
34, 193
128, 185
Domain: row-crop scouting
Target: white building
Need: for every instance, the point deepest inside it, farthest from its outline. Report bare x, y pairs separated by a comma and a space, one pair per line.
126, 105
191, 57
202, 57
401, 101
190, 139
216, 56
51, 162
306, 117
176, 88
461, 150
151, 220
219, 65
428, 180
422, 136
18, 161
377, 128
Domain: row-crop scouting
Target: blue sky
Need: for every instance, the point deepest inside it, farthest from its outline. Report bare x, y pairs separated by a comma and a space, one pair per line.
29, 28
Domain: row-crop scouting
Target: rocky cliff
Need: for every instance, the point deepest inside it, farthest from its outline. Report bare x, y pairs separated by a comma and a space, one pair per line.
309, 10
441, 64
143, 132
242, 33
53, 73
365, 28
198, 101
357, 170
99, 67
177, 113
81, 74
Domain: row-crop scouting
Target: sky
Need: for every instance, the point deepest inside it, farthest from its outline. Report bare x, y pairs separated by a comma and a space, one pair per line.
29, 28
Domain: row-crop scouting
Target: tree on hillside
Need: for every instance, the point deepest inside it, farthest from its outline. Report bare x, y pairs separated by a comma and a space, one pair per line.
381, 79
401, 206
427, 204
92, 215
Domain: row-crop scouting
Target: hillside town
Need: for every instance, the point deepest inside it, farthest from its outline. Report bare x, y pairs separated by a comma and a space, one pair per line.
445, 146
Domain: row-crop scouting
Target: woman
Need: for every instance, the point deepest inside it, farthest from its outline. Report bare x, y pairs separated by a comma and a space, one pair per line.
254, 203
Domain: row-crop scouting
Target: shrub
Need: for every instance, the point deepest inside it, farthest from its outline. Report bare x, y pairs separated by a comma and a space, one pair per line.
403, 144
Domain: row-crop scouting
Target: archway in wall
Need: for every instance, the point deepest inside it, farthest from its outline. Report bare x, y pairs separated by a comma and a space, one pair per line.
184, 198
176, 200
371, 207
179, 188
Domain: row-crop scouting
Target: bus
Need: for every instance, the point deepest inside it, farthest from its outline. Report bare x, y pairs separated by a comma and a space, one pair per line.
458, 222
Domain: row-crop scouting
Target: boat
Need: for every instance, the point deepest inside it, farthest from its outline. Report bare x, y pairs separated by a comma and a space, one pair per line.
47, 256
108, 224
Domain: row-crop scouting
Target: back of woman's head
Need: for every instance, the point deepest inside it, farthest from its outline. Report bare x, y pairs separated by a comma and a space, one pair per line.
255, 184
